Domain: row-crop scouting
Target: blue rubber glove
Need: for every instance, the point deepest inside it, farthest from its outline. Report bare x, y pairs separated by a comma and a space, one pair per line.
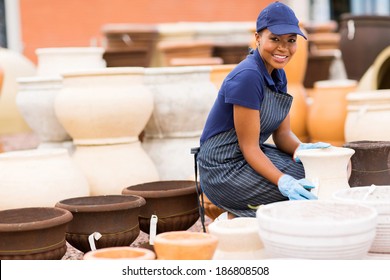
309, 146
295, 189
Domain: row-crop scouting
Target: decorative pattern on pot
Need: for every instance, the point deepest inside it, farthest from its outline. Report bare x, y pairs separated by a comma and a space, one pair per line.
175, 204
377, 197
102, 221
35, 100
34, 233
315, 229
368, 116
370, 163
238, 239
39, 178
183, 97
327, 169
105, 111
124, 253
185, 245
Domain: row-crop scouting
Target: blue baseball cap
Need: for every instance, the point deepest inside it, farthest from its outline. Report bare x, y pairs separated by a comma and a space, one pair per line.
279, 19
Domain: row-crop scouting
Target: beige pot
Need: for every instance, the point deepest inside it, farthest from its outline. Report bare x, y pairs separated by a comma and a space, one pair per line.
124, 253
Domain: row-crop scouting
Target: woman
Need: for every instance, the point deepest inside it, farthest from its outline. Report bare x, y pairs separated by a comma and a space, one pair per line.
237, 169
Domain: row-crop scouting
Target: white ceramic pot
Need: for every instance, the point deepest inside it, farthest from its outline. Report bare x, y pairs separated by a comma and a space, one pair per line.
39, 178
327, 169
55, 61
35, 101
314, 229
238, 239
377, 197
368, 115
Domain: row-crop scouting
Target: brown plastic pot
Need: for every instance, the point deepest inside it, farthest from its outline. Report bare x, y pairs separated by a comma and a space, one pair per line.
115, 217
34, 233
175, 204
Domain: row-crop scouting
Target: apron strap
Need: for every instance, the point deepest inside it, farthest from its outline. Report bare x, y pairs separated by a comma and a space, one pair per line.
199, 191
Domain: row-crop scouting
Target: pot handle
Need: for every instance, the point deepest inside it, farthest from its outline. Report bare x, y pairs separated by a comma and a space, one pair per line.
91, 239
153, 228
351, 29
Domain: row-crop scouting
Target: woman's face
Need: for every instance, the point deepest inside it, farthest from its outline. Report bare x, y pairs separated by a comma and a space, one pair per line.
276, 50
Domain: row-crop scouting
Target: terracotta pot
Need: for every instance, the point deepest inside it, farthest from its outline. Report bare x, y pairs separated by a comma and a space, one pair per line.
175, 204
238, 239
368, 113
185, 245
195, 61
328, 111
370, 163
231, 53
114, 217
36, 233
326, 169
210, 209
358, 34
219, 72
377, 197
39, 178
313, 229
124, 253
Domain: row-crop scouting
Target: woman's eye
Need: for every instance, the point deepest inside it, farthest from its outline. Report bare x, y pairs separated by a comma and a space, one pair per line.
292, 40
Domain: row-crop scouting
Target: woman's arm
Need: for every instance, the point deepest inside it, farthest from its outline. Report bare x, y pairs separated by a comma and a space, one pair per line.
247, 125
284, 139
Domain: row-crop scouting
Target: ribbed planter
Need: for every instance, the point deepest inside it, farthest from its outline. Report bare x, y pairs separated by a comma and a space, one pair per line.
114, 217
39, 178
310, 229
327, 169
370, 163
34, 233
123, 253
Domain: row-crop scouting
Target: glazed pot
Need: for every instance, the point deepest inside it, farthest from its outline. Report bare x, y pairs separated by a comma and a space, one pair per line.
123, 253
370, 163
315, 229
112, 219
238, 239
185, 245
174, 203
377, 197
39, 178
34, 233
327, 169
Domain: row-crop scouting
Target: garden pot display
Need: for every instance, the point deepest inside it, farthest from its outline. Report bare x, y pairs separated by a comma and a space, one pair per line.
175, 204
39, 178
35, 100
33, 233
238, 239
358, 33
105, 111
112, 218
377, 197
185, 245
183, 97
327, 169
55, 61
368, 115
123, 253
328, 111
315, 229
370, 163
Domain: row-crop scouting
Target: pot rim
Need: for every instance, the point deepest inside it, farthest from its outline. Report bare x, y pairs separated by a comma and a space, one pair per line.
142, 189
185, 238
69, 50
33, 154
146, 253
84, 204
342, 195
367, 144
108, 71
326, 152
64, 216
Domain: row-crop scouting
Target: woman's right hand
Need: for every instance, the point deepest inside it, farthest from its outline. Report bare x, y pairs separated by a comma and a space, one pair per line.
295, 189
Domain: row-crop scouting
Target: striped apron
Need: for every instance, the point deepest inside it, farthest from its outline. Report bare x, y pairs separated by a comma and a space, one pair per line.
225, 176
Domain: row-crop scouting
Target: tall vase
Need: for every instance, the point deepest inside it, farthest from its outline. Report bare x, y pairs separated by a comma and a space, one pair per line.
328, 111
183, 96
327, 169
105, 111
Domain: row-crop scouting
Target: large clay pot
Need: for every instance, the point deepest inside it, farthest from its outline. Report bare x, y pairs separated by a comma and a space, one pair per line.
360, 33
368, 115
328, 111
185, 245
39, 178
33, 233
175, 204
327, 169
112, 218
123, 253
370, 163
310, 229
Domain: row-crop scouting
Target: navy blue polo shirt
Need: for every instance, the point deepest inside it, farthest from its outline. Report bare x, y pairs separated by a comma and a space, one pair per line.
244, 86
